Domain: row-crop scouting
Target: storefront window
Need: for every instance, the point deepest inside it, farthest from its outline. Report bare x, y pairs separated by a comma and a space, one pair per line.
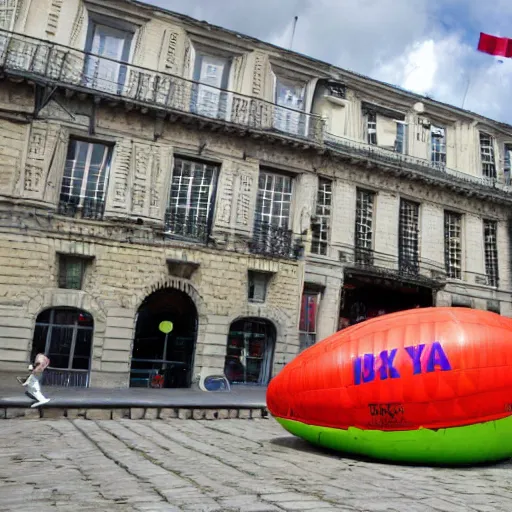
250, 351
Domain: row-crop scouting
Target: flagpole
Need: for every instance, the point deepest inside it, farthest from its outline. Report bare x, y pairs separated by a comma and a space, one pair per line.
466, 91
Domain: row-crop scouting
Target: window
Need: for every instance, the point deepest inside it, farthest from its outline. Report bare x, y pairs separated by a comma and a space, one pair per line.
85, 179
109, 47
72, 271
400, 137
437, 145
274, 199
258, 283
250, 352
207, 97
320, 224
65, 336
453, 244
487, 156
291, 97
8, 10
364, 227
491, 251
308, 313
507, 166
272, 216
408, 237
192, 199
371, 128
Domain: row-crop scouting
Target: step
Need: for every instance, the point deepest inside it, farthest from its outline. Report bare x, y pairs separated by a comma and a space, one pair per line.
133, 413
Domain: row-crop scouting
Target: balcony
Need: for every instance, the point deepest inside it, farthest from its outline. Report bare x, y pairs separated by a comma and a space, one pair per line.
85, 208
186, 227
421, 272
56, 65
433, 170
274, 242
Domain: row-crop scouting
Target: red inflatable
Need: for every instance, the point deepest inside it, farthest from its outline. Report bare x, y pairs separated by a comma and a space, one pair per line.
405, 374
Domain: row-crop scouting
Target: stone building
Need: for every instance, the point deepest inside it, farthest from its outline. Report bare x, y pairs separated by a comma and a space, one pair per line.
179, 199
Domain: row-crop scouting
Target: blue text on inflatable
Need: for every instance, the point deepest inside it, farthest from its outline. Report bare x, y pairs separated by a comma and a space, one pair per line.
368, 366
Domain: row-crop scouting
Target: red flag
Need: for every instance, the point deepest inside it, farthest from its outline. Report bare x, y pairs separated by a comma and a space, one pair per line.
493, 45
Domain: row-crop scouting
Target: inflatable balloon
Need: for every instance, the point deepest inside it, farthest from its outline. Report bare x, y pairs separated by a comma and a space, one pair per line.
425, 385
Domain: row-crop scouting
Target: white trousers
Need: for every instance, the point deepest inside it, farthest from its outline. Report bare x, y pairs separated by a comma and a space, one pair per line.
34, 388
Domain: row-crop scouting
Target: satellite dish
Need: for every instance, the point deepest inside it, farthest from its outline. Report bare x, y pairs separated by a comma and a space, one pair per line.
419, 107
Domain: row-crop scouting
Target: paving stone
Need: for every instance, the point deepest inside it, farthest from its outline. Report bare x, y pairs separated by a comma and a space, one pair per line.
53, 413
73, 414
98, 414
304, 505
184, 414
120, 414
166, 414
137, 413
14, 412
223, 414
211, 414
231, 465
151, 414
244, 414
32, 413
256, 414
198, 414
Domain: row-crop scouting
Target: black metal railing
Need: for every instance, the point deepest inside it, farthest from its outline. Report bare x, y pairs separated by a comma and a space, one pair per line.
409, 266
274, 241
434, 169
66, 378
363, 256
60, 65
85, 208
187, 226
393, 266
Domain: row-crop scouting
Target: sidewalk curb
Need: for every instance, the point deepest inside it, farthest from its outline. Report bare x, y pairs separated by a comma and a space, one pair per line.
133, 413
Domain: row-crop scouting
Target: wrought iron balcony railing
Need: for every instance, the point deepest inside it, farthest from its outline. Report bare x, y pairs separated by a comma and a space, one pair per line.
85, 208
58, 65
273, 241
186, 226
368, 151
418, 270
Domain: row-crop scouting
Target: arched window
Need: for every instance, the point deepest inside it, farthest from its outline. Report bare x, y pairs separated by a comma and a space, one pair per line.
250, 351
65, 336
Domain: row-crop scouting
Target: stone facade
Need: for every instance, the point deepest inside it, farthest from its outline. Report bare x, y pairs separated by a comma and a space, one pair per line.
153, 116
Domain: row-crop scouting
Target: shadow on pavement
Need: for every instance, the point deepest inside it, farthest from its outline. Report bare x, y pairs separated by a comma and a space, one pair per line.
300, 445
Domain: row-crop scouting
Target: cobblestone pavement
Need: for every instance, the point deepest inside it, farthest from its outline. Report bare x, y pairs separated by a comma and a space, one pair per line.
230, 465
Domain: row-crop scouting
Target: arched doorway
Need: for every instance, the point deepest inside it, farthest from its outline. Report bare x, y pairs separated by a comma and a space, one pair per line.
165, 340
65, 336
250, 351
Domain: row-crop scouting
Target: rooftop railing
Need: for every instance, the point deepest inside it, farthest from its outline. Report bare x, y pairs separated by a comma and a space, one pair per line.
387, 156
60, 65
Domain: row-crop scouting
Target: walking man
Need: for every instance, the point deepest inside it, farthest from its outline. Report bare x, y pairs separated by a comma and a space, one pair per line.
32, 383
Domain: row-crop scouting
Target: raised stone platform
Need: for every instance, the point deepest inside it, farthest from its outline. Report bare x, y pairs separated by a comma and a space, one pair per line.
137, 403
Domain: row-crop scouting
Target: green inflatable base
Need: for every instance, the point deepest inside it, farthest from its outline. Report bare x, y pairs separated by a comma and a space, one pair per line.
483, 442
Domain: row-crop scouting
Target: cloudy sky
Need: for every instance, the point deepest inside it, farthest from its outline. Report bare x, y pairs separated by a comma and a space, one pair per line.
426, 46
